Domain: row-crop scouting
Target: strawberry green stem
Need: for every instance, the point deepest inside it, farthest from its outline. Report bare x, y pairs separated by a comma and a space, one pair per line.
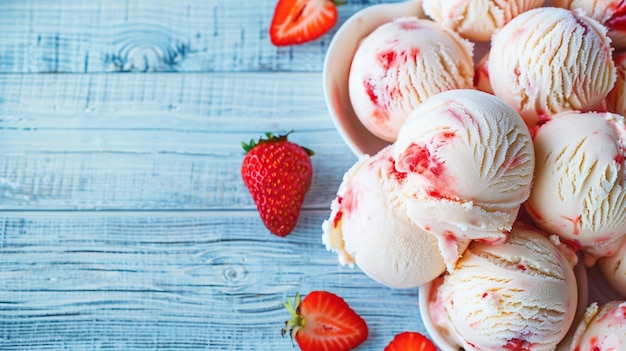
297, 321
271, 138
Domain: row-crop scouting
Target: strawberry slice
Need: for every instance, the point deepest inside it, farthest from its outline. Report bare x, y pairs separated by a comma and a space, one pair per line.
323, 321
410, 341
300, 21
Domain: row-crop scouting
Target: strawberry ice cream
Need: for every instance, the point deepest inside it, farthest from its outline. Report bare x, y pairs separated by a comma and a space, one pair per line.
399, 65
468, 160
369, 227
602, 329
476, 19
548, 60
579, 187
611, 13
518, 295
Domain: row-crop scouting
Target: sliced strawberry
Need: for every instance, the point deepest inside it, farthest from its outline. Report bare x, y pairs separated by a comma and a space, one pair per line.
299, 21
410, 341
323, 321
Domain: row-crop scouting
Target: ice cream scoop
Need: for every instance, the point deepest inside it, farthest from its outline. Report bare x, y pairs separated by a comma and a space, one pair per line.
399, 65
518, 295
611, 13
369, 227
548, 60
616, 99
476, 19
603, 328
579, 187
468, 160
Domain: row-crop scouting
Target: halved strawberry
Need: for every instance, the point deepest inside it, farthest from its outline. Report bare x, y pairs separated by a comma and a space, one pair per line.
323, 321
299, 21
410, 341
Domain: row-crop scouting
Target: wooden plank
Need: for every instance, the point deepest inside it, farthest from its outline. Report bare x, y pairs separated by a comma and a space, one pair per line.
151, 35
154, 141
202, 281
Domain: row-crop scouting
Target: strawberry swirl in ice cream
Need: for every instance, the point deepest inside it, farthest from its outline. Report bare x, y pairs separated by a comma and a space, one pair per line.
602, 329
369, 227
399, 65
469, 160
459, 171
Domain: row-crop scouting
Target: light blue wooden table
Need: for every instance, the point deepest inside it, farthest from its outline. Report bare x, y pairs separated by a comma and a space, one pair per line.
125, 224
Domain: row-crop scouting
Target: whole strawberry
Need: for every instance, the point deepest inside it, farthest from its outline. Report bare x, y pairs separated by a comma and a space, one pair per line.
278, 175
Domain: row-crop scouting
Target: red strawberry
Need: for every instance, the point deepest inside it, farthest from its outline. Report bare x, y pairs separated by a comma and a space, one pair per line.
323, 321
278, 175
299, 21
410, 341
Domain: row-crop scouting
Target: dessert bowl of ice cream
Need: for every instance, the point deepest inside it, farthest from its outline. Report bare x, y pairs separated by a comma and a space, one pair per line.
449, 182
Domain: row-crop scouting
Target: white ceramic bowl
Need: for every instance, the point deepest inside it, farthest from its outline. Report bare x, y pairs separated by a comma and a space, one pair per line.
337, 67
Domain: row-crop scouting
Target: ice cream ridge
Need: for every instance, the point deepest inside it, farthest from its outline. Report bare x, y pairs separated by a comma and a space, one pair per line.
459, 171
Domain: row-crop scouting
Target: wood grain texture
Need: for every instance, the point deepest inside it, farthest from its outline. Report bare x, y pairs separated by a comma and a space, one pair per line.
84, 36
124, 224
154, 141
201, 281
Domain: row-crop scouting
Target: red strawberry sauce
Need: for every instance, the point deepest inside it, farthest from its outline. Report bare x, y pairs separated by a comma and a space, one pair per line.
617, 21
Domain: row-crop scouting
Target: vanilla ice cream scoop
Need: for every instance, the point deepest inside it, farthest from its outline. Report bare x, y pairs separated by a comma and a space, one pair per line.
548, 60
399, 65
370, 228
518, 295
476, 19
579, 187
468, 160
611, 13
602, 328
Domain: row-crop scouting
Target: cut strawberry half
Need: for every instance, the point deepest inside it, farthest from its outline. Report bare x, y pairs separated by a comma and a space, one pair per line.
323, 321
410, 341
300, 21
